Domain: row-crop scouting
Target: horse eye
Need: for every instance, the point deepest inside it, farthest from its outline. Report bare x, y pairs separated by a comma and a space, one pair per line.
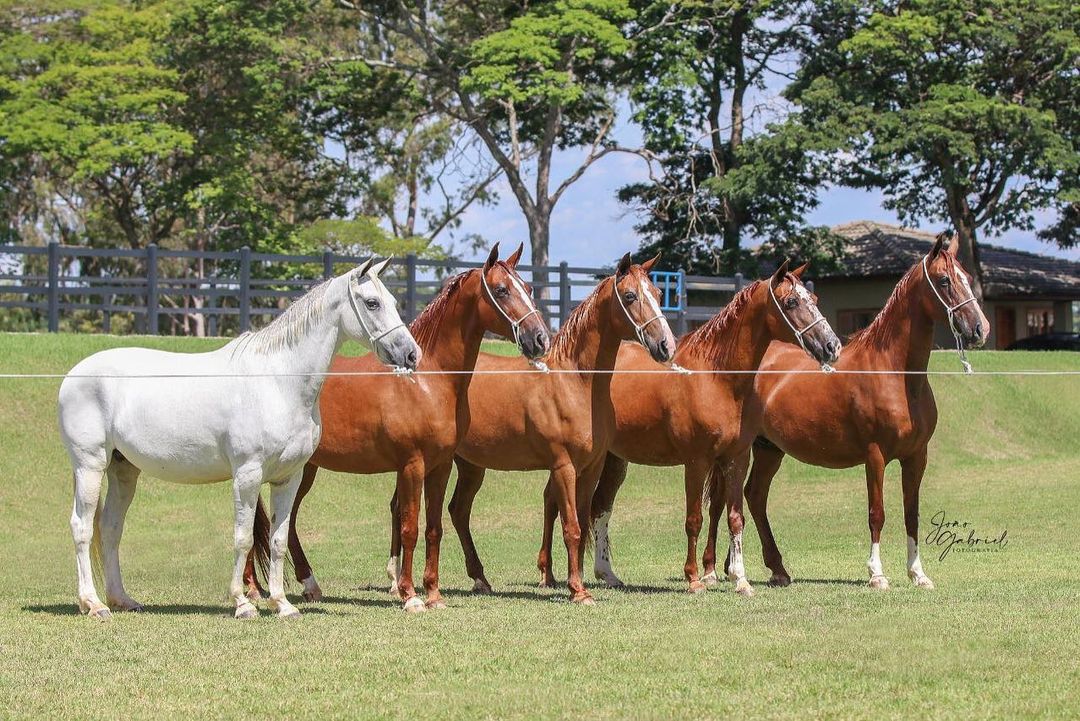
945, 281
630, 296
792, 301
501, 291
372, 303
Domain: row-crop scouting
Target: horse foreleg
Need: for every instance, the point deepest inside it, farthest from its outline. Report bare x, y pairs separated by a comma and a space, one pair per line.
304, 574
409, 485
875, 479
87, 480
393, 564
469, 480
734, 471
603, 502
694, 475
122, 482
767, 460
246, 483
282, 495
911, 471
564, 484
544, 558
434, 494
716, 508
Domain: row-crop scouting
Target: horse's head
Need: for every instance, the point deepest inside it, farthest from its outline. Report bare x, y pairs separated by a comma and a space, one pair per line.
636, 310
373, 319
948, 296
797, 316
509, 309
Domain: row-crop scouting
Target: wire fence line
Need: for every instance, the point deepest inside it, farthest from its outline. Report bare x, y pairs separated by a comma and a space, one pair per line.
541, 372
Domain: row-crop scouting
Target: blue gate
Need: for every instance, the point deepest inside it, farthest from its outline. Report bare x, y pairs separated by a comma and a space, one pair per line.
670, 284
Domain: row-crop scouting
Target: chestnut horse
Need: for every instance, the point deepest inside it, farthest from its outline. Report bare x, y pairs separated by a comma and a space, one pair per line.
705, 418
370, 426
562, 421
842, 420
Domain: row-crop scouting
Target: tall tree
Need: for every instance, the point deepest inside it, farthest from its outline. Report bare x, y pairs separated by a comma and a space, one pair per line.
963, 110
527, 78
704, 72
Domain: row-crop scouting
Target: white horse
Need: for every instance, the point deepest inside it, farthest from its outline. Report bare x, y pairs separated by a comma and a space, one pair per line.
248, 411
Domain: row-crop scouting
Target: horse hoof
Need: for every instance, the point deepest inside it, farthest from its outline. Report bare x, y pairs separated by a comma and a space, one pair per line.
583, 599
609, 579
436, 604
311, 592
481, 587
923, 582
546, 583
697, 587
100, 614
415, 605
744, 589
780, 580
246, 611
290, 614
879, 583
710, 578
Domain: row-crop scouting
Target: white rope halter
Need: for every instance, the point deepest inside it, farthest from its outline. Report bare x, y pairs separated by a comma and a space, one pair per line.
950, 313
639, 330
373, 338
515, 325
800, 333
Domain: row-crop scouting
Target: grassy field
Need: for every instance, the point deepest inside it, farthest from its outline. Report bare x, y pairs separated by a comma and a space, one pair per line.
997, 639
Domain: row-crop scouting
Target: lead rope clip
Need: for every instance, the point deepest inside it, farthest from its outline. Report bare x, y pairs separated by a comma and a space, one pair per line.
406, 372
539, 365
826, 368
679, 369
968, 370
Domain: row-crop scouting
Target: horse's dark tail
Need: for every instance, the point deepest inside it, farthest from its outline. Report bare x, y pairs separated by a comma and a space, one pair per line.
714, 484
262, 540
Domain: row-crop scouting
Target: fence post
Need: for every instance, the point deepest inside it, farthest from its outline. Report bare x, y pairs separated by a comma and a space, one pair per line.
681, 322
410, 287
564, 292
54, 287
151, 290
327, 264
738, 282
211, 304
245, 289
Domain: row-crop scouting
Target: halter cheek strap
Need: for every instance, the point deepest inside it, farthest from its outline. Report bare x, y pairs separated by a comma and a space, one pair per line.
800, 333
639, 330
515, 325
373, 338
950, 313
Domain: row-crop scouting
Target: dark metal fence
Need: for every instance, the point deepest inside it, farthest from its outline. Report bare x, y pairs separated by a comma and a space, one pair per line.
155, 290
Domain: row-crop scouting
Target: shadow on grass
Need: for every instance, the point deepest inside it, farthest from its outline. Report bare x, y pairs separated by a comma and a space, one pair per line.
173, 609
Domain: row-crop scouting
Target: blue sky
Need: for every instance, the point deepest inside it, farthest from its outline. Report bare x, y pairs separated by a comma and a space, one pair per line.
590, 227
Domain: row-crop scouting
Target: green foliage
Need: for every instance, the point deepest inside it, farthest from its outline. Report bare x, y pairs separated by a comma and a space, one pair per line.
362, 236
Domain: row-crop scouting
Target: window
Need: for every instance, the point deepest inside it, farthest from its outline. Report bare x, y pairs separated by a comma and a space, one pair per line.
1040, 320
851, 320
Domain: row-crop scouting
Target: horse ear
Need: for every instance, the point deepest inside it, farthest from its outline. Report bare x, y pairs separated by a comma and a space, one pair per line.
378, 268
954, 244
363, 268
647, 266
623, 267
493, 256
800, 270
512, 261
779, 275
939, 244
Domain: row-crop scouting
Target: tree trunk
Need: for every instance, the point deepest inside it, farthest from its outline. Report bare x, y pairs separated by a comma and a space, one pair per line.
969, 257
539, 238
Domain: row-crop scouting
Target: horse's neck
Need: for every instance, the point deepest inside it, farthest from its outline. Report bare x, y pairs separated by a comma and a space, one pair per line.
456, 344
304, 362
911, 332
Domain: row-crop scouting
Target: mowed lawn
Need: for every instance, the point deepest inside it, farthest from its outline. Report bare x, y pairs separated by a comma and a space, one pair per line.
997, 638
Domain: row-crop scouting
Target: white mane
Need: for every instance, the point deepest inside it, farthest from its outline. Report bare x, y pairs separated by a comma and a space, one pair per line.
288, 328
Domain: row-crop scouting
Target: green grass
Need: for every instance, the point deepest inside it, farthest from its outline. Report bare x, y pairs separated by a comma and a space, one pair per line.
998, 637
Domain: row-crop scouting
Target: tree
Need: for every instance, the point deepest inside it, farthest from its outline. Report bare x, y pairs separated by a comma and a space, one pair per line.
527, 78
702, 74
962, 110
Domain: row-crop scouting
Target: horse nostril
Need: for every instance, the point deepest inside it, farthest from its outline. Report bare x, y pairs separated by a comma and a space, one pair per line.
832, 347
411, 359
664, 347
541, 340
978, 329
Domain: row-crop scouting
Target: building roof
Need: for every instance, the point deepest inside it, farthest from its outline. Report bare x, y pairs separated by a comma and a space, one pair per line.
881, 250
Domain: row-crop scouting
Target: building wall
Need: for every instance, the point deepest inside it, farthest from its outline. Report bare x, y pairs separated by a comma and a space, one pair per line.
839, 296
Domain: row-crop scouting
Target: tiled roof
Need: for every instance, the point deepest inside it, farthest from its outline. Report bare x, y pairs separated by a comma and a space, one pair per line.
877, 249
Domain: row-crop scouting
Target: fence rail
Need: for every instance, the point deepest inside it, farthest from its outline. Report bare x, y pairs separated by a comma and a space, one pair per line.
156, 290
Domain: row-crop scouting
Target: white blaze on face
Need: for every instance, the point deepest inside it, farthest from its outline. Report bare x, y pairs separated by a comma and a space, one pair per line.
650, 301
803, 294
517, 285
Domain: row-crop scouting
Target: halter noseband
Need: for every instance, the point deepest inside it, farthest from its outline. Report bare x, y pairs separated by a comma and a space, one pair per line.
639, 330
798, 333
515, 325
950, 313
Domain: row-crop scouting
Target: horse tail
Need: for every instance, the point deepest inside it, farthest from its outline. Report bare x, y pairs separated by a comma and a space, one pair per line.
261, 538
714, 484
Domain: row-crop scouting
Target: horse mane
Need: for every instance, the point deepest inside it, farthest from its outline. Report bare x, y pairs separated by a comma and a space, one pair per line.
288, 328
879, 333
581, 320
705, 341
425, 328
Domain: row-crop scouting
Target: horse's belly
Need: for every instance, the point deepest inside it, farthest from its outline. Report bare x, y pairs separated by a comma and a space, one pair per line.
208, 466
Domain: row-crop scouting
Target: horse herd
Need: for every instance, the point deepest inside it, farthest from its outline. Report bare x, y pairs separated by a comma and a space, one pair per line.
614, 387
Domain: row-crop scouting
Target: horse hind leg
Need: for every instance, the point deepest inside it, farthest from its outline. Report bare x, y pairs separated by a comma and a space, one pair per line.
87, 476
470, 479
282, 496
734, 471
611, 479
246, 483
123, 478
